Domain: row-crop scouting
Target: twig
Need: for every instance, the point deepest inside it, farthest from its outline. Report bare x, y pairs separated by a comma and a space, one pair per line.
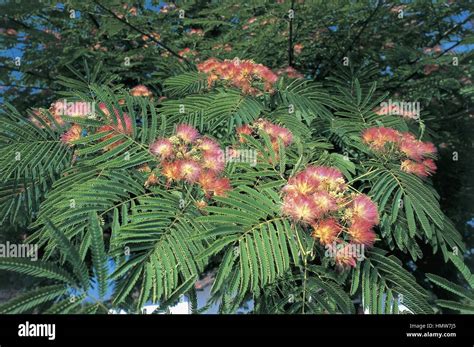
441, 37
28, 72
94, 20
356, 39
449, 49
161, 44
290, 36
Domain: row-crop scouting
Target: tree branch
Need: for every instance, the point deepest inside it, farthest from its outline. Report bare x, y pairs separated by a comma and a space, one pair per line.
449, 49
356, 39
441, 37
32, 73
290, 36
161, 44
94, 20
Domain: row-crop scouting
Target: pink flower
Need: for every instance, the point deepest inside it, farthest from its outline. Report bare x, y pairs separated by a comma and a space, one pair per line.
213, 161
430, 68
152, 180
221, 186
238, 73
171, 170
324, 172
378, 138
189, 170
361, 233
207, 180
208, 145
11, 32
277, 132
324, 202
364, 210
415, 149
125, 129
74, 133
326, 231
284, 134
329, 178
290, 72
141, 90
252, 20
430, 166
104, 109
198, 32
345, 256
413, 167
187, 133
187, 52
298, 48
301, 184
162, 148
299, 208
244, 130
210, 184
428, 148
423, 169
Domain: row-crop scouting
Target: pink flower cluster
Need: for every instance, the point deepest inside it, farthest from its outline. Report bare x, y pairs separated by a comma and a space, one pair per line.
82, 109
115, 127
73, 134
194, 31
58, 109
187, 52
186, 156
141, 90
242, 74
298, 48
414, 154
274, 132
289, 71
318, 196
225, 47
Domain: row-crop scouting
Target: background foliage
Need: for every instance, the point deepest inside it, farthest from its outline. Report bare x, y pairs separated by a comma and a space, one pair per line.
96, 51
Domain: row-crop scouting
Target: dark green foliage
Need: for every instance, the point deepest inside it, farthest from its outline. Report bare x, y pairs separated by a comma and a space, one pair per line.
87, 205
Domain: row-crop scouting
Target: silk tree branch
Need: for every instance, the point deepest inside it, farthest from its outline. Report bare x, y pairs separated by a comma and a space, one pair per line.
93, 20
448, 32
159, 43
442, 36
353, 42
32, 73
